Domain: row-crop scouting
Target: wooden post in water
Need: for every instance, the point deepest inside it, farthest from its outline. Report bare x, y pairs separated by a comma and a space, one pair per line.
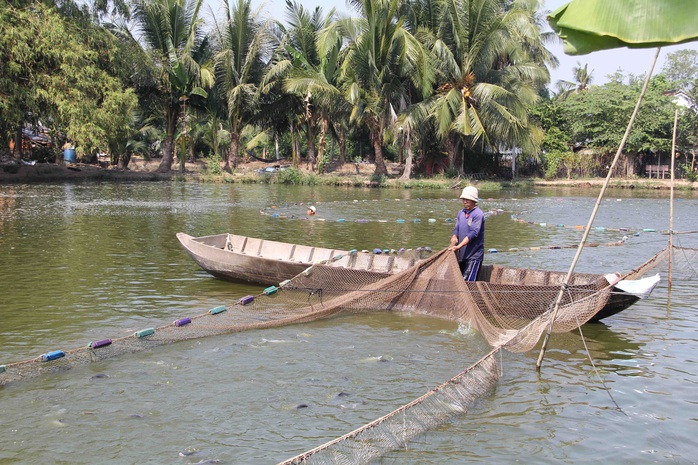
671, 200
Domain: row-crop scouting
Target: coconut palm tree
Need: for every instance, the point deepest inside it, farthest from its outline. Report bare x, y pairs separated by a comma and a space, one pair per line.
582, 80
583, 76
312, 72
243, 43
412, 129
492, 64
299, 65
173, 34
383, 62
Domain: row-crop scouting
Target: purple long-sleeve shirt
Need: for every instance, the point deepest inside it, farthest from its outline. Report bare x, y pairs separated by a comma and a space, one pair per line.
471, 224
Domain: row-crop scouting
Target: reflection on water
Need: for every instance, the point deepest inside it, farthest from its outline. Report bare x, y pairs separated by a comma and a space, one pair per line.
90, 261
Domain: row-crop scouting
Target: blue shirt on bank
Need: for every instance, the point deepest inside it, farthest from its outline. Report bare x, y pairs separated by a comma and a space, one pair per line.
471, 224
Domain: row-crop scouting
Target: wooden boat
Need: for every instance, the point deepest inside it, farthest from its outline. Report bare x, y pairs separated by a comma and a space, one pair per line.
239, 258
247, 259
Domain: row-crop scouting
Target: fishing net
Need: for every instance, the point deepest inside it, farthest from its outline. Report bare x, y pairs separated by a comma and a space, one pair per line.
510, 307
684, 262
394, 430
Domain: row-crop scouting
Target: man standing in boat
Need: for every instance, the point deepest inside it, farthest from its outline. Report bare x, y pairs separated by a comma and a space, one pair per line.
468, 239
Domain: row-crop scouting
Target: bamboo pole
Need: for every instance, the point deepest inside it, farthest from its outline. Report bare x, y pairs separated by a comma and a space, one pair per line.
565, 283
671, 201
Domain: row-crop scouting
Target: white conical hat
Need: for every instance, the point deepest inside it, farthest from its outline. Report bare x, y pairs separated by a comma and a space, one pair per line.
469, 193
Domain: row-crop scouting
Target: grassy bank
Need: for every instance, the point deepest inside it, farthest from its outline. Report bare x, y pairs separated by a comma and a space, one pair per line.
346, 175
299, 177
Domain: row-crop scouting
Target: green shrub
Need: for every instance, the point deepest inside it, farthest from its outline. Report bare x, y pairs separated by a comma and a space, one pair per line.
289, 176
555, 161
451, 173
213, 164
691, 176
322, 162
310, 179
378, 179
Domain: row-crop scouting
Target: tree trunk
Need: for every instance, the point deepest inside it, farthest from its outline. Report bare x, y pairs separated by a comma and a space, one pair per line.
342, 147
124, 160
451, 152
231, 161
18, 143
377, 140
322, 143
408, 160
214, 142
294, 154
296, 143
168, 155
310, 136
454, 161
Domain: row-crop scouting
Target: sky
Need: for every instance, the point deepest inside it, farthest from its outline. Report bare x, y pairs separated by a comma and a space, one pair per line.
601, 64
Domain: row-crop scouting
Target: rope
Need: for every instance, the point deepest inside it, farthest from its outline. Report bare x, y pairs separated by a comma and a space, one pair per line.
598, 375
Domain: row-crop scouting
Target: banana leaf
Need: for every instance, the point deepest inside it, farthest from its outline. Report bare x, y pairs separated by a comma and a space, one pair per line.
587, 26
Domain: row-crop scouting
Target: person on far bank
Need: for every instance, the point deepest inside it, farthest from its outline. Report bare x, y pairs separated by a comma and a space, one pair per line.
468, 240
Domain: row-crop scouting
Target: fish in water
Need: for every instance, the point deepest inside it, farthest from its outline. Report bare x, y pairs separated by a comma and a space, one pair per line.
275, 341
300, 406
99, 376
380, 358
188, 451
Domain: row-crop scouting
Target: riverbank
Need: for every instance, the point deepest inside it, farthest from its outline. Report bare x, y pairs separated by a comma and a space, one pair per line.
347, 174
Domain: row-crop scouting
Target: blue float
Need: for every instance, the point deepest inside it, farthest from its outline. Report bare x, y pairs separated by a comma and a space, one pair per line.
54, 355
270, 290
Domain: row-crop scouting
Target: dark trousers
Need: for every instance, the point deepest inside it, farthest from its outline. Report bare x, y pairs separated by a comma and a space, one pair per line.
470, 268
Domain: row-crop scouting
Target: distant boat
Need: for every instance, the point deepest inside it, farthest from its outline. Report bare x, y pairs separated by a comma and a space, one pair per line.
239, 258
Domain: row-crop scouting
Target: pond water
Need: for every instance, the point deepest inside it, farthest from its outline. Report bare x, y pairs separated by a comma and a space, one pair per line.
83, 262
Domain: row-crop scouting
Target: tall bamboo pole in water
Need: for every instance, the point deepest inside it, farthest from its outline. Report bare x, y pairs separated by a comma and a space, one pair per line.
671, 201
565, 283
